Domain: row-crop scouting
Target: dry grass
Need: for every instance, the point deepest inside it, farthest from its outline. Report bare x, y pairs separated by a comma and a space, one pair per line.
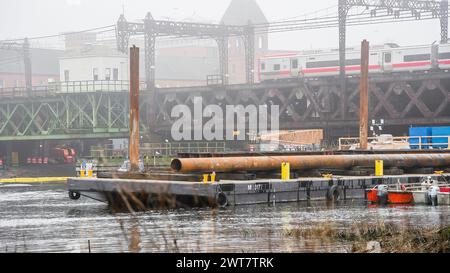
389, 237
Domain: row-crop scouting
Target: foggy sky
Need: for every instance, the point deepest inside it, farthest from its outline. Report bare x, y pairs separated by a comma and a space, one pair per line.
20, 18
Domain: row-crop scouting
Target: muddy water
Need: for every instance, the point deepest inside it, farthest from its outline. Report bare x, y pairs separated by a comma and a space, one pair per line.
41, 218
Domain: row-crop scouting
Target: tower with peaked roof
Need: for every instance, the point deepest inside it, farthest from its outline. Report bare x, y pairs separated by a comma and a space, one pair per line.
243, 12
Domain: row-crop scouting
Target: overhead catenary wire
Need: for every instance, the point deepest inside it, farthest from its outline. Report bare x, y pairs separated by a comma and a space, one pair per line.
330, 20
60, 34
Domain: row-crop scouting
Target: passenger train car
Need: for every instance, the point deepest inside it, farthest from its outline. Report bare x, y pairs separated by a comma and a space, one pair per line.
387, 58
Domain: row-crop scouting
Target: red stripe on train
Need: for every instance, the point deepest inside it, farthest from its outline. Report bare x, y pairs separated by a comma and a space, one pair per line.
444, 61
411, 64
336, 69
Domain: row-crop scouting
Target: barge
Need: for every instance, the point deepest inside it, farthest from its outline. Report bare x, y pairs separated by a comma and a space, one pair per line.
138, 194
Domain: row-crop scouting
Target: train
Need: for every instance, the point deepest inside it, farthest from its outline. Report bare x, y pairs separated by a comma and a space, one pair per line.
386, 58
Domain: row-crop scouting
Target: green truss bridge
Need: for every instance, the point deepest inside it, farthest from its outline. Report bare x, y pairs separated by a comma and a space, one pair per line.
68, 110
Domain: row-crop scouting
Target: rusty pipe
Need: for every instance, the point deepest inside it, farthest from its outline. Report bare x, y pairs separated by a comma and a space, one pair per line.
305, 162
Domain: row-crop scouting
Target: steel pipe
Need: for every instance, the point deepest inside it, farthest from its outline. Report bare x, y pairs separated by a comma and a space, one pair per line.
267, 163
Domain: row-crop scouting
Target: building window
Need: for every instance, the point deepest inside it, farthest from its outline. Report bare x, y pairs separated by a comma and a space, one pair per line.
66, 75
263, 66
108, 74
116, 74
95, 74
276, 67
260, 42
2, 84
294, 64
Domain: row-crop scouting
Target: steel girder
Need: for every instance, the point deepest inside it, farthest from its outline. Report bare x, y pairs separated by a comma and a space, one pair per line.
90, 115
437, 10
151, 29
249, 41
400, 100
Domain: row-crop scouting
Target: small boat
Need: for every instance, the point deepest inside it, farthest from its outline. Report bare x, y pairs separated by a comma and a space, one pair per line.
443, 198
400, 197
381, 194
429, 192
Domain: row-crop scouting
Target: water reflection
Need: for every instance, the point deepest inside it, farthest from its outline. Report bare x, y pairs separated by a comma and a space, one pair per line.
35, 219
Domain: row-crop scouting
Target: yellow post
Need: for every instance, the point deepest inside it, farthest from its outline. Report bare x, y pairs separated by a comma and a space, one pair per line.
90, 173
205, 178
379, 169
285, 171
82, 173
213, 177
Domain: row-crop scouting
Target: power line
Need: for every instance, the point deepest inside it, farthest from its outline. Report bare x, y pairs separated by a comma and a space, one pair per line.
285, 25
62, 34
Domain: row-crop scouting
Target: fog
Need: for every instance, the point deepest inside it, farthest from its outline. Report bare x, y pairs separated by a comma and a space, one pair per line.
20, 18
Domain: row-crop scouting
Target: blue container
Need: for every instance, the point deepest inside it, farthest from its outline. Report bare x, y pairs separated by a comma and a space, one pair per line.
423, 132
440, 142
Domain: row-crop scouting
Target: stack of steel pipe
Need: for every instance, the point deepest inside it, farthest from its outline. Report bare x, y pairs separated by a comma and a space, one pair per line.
306, 162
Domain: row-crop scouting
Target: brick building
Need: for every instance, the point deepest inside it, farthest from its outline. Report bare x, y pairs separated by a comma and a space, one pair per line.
44, 67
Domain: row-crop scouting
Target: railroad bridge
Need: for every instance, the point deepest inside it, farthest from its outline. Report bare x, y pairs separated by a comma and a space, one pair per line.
100, 109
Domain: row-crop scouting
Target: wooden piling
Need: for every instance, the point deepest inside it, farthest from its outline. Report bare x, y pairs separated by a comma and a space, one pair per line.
133, 146
364, 96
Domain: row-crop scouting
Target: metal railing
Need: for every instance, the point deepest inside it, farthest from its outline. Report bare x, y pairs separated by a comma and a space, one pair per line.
20, 92
413, 142
93, 86
172, 149
160, 149
69, 87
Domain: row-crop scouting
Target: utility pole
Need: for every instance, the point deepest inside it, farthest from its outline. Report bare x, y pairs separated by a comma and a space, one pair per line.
27, 65
24, 51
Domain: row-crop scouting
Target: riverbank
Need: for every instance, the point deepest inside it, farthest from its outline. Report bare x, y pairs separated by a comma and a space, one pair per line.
381, 237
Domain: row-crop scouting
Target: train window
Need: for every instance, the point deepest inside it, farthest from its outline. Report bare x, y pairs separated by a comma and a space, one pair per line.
322, 64
353, 62
263, 66
276, 67
445, 55
332, 63
387, 57
294, 64
416, 58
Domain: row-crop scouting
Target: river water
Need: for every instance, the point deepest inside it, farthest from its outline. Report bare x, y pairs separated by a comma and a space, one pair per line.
41, 218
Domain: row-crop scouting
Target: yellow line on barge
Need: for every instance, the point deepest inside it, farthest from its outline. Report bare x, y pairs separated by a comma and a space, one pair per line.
34, 180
